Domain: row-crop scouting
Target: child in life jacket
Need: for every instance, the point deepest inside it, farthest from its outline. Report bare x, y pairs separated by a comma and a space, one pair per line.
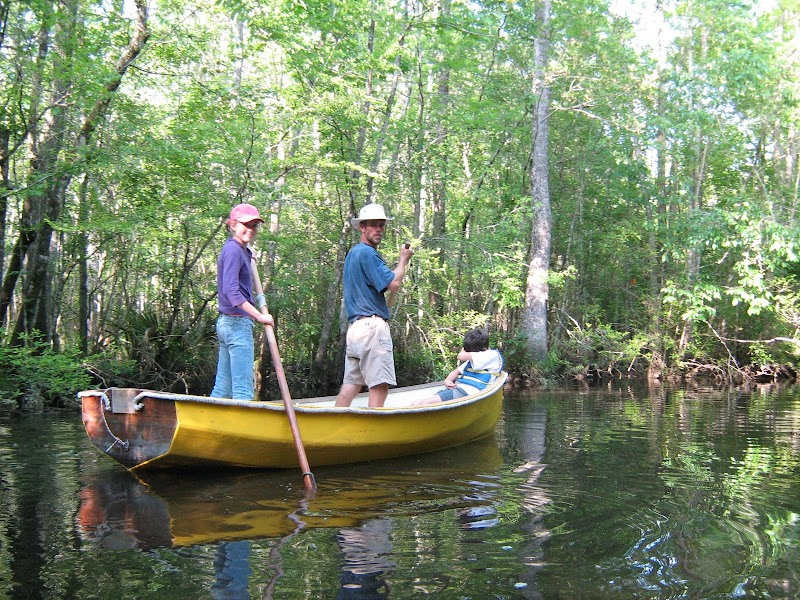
480, 366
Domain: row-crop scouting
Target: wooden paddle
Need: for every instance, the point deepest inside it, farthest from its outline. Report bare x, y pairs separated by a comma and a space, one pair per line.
308, 476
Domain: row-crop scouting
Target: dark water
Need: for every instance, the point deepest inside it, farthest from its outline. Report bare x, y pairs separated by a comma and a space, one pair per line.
602, 493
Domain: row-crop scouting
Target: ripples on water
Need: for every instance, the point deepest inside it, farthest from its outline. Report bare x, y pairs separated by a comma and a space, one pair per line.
675, 495
613, 493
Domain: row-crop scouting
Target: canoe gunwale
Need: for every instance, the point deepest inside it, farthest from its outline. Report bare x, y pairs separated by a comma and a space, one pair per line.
301, 405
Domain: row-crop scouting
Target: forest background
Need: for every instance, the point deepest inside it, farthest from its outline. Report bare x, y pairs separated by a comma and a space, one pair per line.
611, 188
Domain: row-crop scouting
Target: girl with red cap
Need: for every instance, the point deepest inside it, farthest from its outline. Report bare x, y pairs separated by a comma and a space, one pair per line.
237, 307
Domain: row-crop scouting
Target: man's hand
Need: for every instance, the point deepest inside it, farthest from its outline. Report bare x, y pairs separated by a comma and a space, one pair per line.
406, 253
399, 272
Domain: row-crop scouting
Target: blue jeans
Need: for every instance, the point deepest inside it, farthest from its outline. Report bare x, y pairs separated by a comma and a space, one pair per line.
236, 354
452, 393
232, 570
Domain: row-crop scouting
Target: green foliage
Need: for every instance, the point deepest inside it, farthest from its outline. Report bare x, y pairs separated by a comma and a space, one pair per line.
35, 376
516, 355
436, 343
601, 345
110, 369
760, 355
148, 354
672, 187
696, 304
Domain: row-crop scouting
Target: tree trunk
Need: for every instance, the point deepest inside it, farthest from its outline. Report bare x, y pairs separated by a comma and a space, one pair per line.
31, 212
657, 219
46, 204
48, 166
694, 254
440, 168
5, 188
387, 118
534, 317
83, 267
329, 315
358, 153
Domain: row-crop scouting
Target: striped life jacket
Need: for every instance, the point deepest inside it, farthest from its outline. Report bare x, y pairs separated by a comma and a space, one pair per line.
479, 379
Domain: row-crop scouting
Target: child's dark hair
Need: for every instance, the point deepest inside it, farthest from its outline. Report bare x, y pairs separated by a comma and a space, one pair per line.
476, 340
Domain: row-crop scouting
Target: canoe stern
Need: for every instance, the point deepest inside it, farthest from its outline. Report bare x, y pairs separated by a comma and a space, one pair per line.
131, 437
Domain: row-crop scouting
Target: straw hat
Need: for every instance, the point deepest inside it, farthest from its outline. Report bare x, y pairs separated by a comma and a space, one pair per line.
370, 212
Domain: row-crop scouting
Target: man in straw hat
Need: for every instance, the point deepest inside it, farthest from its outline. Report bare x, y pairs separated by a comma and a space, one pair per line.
369, 360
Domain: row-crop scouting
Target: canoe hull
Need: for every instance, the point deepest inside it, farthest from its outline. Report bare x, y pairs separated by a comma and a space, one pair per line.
171, 431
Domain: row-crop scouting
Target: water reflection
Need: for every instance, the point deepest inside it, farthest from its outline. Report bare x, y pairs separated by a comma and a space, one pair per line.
232, 571
671, 493
119, 511
366, 549
183, 509
612, 494
526, 424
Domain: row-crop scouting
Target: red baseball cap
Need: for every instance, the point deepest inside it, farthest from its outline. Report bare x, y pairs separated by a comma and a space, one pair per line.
244, 213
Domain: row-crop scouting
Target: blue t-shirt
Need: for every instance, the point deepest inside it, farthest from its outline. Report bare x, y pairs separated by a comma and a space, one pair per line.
234, 282
365, 279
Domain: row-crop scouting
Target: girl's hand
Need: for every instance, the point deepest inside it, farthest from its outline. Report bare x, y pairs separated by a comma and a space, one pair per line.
449, 384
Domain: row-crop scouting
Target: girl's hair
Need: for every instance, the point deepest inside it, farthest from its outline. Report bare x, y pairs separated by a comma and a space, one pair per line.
476, 340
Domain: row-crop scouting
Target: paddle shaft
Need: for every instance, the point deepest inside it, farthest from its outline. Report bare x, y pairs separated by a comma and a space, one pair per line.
393, 293
308, 477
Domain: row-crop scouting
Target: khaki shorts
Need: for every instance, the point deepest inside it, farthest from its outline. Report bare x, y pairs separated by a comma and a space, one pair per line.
369, 360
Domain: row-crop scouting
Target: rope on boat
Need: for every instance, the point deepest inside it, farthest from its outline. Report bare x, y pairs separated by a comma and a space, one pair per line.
105, 404
189, 398
125, 445
107, 401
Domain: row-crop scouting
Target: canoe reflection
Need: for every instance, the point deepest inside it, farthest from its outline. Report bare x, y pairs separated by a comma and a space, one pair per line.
117, 510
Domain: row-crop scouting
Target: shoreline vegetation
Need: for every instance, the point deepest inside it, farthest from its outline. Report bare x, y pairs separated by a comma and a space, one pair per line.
36, 378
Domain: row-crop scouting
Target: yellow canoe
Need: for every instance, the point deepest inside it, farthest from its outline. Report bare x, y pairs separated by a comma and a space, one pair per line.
143, 429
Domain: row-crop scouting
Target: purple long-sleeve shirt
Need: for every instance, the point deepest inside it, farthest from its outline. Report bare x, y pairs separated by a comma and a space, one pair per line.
234, 283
